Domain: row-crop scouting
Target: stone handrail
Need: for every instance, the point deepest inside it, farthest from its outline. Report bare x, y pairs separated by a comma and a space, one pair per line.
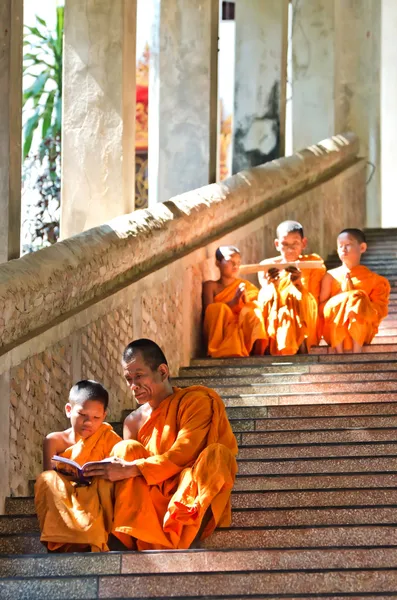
40, 289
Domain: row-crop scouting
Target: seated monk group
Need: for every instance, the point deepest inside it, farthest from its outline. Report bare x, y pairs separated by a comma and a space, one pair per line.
295, 307
167, 485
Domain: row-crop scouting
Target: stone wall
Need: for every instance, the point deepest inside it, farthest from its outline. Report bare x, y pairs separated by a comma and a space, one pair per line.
69, 311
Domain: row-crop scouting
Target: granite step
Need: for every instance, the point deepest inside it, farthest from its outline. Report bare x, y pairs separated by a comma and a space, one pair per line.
237, 387
318, 466
309, 398
299, 359
272, 499
200, 560
312, 498
304, 537
315, 481
245, 584
205, 373
327, 423
314, 517
330, 410
250, 517
384, 346
299, 536
291, 451
321, 437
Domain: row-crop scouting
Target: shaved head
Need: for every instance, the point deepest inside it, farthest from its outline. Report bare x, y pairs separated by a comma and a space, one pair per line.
357, 234
225, 252
152, 354
287, 227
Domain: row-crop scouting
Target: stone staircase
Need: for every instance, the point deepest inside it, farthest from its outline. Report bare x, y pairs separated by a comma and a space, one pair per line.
315, 501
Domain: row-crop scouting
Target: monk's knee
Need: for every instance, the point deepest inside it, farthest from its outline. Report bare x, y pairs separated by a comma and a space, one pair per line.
130, 450
217, 454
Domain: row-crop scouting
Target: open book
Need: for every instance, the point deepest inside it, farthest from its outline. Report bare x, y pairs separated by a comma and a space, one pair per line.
74, 470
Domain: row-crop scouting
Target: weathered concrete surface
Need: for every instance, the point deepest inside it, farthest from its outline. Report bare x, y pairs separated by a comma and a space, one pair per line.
312, 71
98, 144
388, 113
183, 97
357, 85
40, 288
11, 26
259, 113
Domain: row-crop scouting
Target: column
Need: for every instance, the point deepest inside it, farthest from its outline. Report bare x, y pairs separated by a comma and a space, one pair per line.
261, 61
182, 97
357, 86
98, 139
11, 30
312, 72
389, 113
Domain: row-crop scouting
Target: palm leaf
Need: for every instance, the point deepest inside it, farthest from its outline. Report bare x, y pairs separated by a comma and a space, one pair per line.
35, 32
31, 126
41, 21
47, 113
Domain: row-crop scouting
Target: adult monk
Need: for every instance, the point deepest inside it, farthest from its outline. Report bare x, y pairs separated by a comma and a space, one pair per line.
233, 322
353, 299
289, 296
176, 469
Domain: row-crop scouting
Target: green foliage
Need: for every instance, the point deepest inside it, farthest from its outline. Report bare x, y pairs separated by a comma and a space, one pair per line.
43, 62
42, 100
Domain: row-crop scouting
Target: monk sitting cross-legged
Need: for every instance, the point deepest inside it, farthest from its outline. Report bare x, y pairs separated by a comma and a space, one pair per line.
233, 322
353, 299
289, 296
77, 515
176, 469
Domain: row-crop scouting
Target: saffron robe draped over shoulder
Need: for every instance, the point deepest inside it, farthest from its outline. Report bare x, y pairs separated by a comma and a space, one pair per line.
290, 310
233, 332
186, 453
73, 516
356, 307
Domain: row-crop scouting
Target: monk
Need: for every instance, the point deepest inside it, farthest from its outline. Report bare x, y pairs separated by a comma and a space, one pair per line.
289, 296
353, 299
233, 322
75, 517
176, 469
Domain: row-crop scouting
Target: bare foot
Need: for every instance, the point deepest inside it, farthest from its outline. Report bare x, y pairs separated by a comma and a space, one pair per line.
259, 348
303, 348
357, 349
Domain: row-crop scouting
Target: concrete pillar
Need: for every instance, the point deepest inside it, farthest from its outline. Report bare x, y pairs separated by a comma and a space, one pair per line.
261, 66
182, 97
312, 72
357, 85
389, 112
11, 31
98, 139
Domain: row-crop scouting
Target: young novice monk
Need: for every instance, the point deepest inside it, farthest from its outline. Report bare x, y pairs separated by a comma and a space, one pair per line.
75, 517
233, 322
290, 296
353, 299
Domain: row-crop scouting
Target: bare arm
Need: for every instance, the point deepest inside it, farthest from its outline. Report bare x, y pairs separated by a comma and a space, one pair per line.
208, 294
131, 426
325, 291
50, 447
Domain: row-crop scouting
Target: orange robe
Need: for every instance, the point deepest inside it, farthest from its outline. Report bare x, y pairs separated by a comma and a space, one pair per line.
72, 516
233, 332
356, 306
290, 310
186, 453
